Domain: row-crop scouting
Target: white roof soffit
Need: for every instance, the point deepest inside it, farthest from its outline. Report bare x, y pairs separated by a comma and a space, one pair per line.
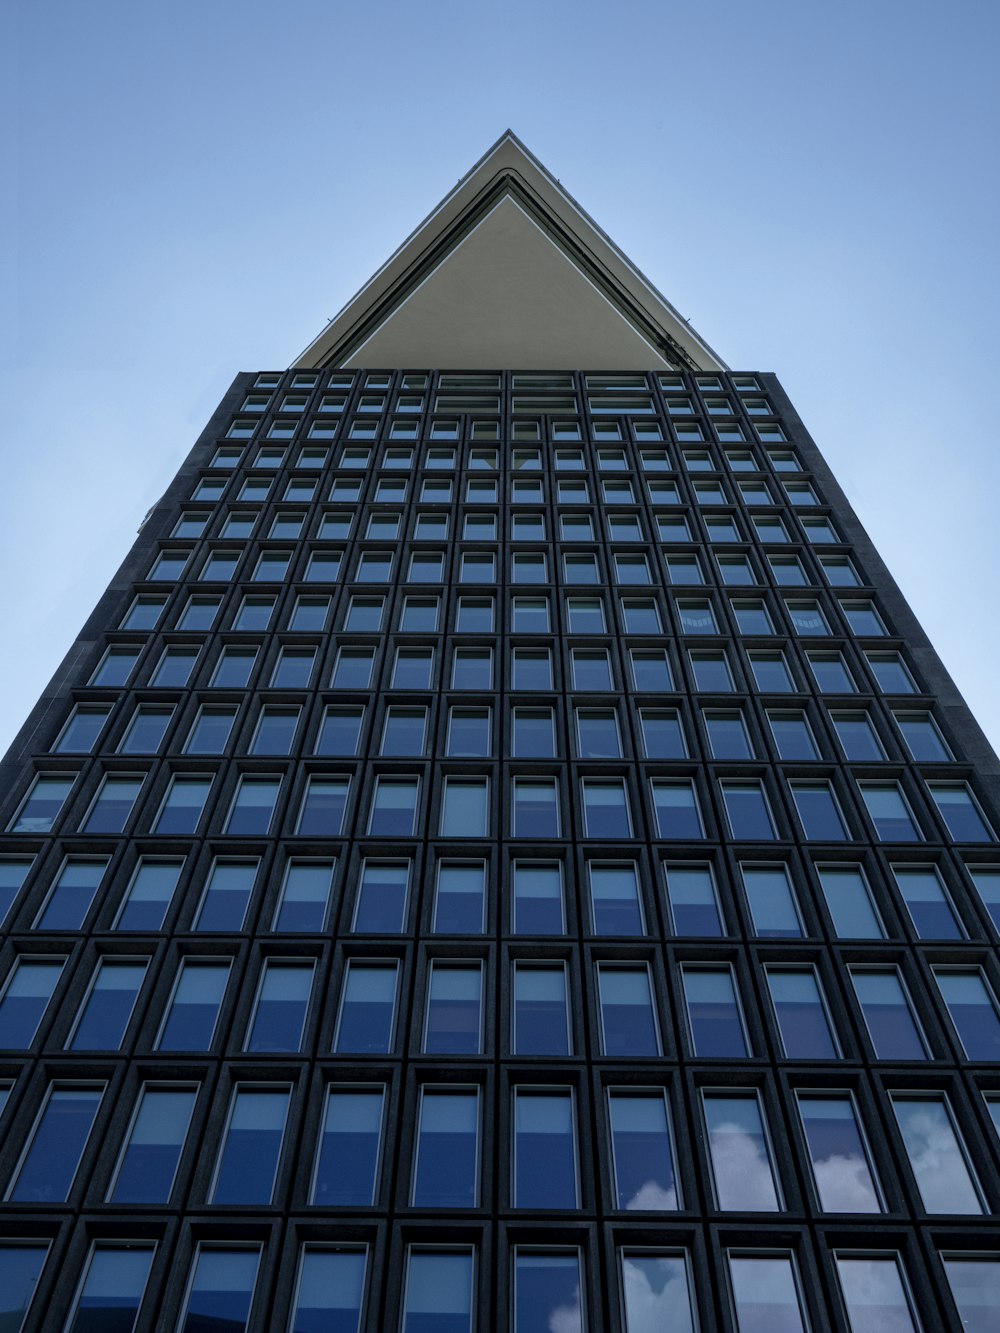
509, 273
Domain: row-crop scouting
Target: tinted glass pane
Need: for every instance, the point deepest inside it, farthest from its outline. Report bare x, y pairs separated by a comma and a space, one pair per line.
818, 811
614, 893
693, 903
25, 999
741, 1160
113, 1289
973, 1012
381, 908
802, 1019
149, 1161
541, 1019
109, 1006
547, 1292
747, 811
72, 894
849, 903
149, 895
713, 1013
446, 1172
628, 1020
841, 1170
227, 896
891, 1025
20, 1268
194, 1008
656, 1293
248, 1161
975, 1289
438, 1292
57, 1143
349, 1147
330, 1291
544, 1151
677, 814
772, 902
926, 901
765, 1294
454, 1005
538, 903
643, 1158
367, 1010
282, 1004
459, 902
936, 1156
221, 1290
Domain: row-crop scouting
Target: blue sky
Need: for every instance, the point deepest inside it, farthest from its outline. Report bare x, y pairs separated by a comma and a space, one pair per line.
194, 188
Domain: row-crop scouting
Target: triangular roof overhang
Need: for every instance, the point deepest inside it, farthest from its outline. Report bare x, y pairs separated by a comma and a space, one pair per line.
508, 272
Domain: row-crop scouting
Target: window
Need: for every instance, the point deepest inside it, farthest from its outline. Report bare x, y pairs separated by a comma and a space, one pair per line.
639, 614
323, 567
113, 1286
339, 731
224, 904
585, 615
696, 616
766, 1292
548, 1287
116, 665
803, 1021
309, 613
747, 810
538, 899
41, 806
353, 668
727, 733
232, 671
439, 1290
454, 1009
474, 615
330, 1288
606, 811
282, 1001
112, 805
974, 1280
25, 998
888, 1014
818, 811
532, 733
682, 569
366, 1023
787, 571
737, 571
530, 615
972, 1009
253, 806
642, 1153
628, 1017
615, 903
446, 1168
305, 897
662, 734
831, 674
792, 735
676, 806
857, 736
72, 894
936, 1153
220, 566
740, 1152
710, 669
247, 1167
48, 1166
838, 1153
650, 670
145, 611
807, 618
403, 731
540, 1020
211, 729
985, 878
393, 811
960, 812
526, 567
147, 1167
460, 898
773, 909
889, 812
580, 567
419, 615
850, 903
275, 731
382, 898
929, 907
770, 672
472, 669
591, 669
544, 1166
692, 900
715, 1023
465, 808
863, 618
468, 732
293, 668
656, 1284
221, 1288
110, 1000
193, 1011
923, 740
79, 735
349, 1151
535, 812
890, 673
324, 802
148, 895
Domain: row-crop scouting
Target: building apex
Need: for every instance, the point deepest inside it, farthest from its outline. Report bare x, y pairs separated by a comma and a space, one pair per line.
509, 272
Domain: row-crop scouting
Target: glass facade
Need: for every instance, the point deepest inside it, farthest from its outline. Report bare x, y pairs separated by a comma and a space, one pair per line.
503, 861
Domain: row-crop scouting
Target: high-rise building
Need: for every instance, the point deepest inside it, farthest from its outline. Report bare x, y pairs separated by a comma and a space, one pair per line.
502, 853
